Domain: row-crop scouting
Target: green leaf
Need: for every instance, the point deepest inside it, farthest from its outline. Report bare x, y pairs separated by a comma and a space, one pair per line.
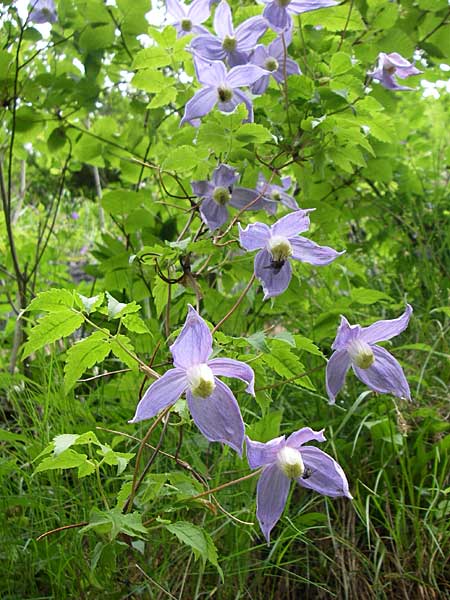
122, 202
135, 324
52, 327
336, 18
340, 63
253, 133
51, 300
197, 538
90, 304
113, 522
118, 344
183, 158
118, 309
367, 296
68, 459
84, 355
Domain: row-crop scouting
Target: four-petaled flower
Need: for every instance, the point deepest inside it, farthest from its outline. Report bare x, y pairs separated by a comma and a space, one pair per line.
43, 11
277, 193
273, 60
189, 18
355, 346
279, 243
285, 459
390, 66
212, 405
220, 192
233, 45
220, 88
278, 12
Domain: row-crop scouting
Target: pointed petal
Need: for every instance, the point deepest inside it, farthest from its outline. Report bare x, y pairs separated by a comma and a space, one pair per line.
211, 73
385, 330
249, 32
230, 105
237, 58
248, 103
271, 495
199, 105
323, 473
242, 197
254, 237
292, 67
292, 224
306, 434
244, 75
300, 6
223, 23
176, 9
202, 189
218, 417
308, 251
209, 48
194, 344
213, 215
228, 367
337, 368
278, 17
199, 11
260, 454
162, 393
274, 280
224, 176
346, 333
385, 375
260, 86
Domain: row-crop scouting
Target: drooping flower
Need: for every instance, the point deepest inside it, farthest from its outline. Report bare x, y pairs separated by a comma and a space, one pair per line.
43, 11
277, 245
212, 405
278, 12
277, 193
189, 18
220, 88
220, 192
355, 347
285, 459
231, 44
273, 60
391, 66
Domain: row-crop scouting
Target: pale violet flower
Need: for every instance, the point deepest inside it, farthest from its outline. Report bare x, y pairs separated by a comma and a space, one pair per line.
391, 66
278, 12
43, 11
188, 19
277, 193
274, 60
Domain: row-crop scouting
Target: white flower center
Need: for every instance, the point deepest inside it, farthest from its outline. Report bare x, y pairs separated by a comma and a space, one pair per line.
361, 354
280, 248
271, 64
201, 380
225, 93
290, 462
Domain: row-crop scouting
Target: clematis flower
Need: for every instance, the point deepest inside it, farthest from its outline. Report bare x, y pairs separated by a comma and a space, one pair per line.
188, 19
43, 11
278, 12
273, 60
220, 192
233, 45
390, 66
285, 459
355, 347
277, 193
220, 88
279, 243
212, 405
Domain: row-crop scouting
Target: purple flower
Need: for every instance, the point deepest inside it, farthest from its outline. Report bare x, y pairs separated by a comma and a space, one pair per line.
219, 192
277, 193
233, 45
390, 66
273, 60
355, 346
74, 215
285, 459
278, 12
188, 18
279, 243
220, 88
213, 407
43, 11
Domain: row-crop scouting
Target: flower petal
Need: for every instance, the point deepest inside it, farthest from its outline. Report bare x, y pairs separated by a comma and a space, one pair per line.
228, 367
202, 189
162, 393
337, 368
306, 434
385, 375
300, 6
176, 9
214, 215
385, 330
241, 197
260, 454
211, 73
223, 24
278, 17
224, 176
207, 47
308, 251
244, 75
249, 32
322, 473
271, 495
346, 333
194, 344
199, 105
275, 280
218, 417
292, 224
199, 11
254, 237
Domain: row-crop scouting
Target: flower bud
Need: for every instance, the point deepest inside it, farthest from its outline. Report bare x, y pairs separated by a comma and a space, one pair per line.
201, 380
361, 354
280, 248
290, 462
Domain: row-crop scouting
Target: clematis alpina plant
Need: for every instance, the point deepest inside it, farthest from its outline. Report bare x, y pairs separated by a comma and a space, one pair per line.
272, 58
280, 243
277, 193
356, 347
43, 11
285, 459
189, 19
391, 66
231, 44
212, 404
278, 12
221, 88
219, 193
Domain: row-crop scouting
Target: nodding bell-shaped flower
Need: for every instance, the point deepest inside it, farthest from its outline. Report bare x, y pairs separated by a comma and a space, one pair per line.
43, 11
355, 347
391, 66
285, 459
212, 405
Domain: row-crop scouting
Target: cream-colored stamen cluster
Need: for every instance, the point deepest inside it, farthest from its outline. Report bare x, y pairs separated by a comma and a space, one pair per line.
221, 195
280, 248
290, 462
361, 354
201, 380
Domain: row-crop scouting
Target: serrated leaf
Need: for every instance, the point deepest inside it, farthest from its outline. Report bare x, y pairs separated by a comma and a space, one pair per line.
119, 346
367, 296
135, 324
66, 460
64, 441
84, 355
90, 304
197, 538
53, 299
52, 327
118, 309
253, 133
114, 522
